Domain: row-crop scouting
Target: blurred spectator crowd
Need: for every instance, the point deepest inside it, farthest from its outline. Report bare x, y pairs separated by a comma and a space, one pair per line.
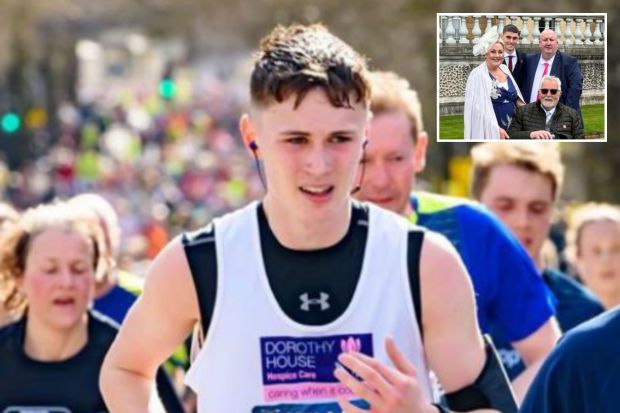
165, 165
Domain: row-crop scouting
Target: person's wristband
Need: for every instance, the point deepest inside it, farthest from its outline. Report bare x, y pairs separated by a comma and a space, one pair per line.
441, 408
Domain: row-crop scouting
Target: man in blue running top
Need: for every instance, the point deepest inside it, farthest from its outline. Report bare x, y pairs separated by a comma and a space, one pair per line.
509, 292
520, 182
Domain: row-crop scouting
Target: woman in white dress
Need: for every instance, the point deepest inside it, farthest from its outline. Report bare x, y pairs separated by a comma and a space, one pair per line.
491, 94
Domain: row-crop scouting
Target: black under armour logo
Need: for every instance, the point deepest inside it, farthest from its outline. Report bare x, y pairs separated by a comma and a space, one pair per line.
306, 301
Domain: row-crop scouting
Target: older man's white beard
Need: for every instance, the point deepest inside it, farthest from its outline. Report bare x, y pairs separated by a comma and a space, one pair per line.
548, 103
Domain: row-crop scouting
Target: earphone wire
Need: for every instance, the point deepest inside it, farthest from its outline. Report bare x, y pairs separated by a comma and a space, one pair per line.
258, 166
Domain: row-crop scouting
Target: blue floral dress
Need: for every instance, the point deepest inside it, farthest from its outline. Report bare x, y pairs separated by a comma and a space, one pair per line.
504, 102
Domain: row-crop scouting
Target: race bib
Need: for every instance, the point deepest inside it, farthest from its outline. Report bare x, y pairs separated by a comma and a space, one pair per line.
302, 368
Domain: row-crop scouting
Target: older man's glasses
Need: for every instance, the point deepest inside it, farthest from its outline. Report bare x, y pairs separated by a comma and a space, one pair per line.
545, 91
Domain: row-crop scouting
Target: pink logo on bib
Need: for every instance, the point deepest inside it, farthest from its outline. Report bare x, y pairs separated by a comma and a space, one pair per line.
351, 344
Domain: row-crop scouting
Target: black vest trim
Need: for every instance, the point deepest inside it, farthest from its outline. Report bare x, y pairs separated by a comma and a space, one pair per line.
200, 252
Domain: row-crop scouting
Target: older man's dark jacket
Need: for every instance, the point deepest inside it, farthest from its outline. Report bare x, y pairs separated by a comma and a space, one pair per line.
565, 122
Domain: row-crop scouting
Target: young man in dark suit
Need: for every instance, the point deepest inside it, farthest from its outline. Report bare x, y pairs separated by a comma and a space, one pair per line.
513, 58
552, 62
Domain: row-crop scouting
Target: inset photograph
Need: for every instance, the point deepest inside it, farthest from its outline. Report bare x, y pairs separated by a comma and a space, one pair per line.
521, 76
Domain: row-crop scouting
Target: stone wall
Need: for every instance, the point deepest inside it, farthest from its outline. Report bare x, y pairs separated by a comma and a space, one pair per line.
457, 61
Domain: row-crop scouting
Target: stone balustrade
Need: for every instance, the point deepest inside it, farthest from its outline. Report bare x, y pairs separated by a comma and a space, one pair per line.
585, 30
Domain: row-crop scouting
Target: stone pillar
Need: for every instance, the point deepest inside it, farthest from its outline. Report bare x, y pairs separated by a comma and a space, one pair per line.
558, 30
450, 31
567, 33
588, 41
578, 33
489, 22
476, 30
440, 30
597, 32
536, 33
525, 34
462, 30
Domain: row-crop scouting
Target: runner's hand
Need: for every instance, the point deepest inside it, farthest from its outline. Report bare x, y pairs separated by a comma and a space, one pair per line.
386, 389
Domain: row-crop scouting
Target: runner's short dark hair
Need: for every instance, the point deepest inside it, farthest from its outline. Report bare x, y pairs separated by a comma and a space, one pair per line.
296, 59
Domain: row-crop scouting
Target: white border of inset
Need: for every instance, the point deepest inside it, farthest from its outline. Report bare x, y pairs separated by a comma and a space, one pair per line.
438, 40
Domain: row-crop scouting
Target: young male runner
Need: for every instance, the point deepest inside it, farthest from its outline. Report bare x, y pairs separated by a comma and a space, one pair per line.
300, 286
509, 293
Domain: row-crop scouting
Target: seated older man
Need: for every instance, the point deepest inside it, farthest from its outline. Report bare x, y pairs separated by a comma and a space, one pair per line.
547, 118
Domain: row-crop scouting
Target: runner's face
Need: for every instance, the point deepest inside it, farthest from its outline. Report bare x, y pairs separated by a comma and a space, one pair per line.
58, 279
599, 257
311, 153
523, 200
390, 162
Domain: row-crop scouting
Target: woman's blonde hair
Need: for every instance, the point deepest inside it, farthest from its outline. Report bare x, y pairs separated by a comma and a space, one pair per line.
16, 241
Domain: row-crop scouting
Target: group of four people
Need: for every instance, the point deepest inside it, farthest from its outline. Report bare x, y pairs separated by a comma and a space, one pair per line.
518, 96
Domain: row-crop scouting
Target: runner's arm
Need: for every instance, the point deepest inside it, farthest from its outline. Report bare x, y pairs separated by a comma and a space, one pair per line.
159, 321
534, 349
452, 340
453, 344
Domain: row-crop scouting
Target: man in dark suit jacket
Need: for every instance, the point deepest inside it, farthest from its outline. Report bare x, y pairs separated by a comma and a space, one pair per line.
513, 58
557, 64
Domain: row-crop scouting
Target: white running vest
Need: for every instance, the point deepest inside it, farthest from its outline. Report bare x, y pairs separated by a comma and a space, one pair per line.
256, 359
